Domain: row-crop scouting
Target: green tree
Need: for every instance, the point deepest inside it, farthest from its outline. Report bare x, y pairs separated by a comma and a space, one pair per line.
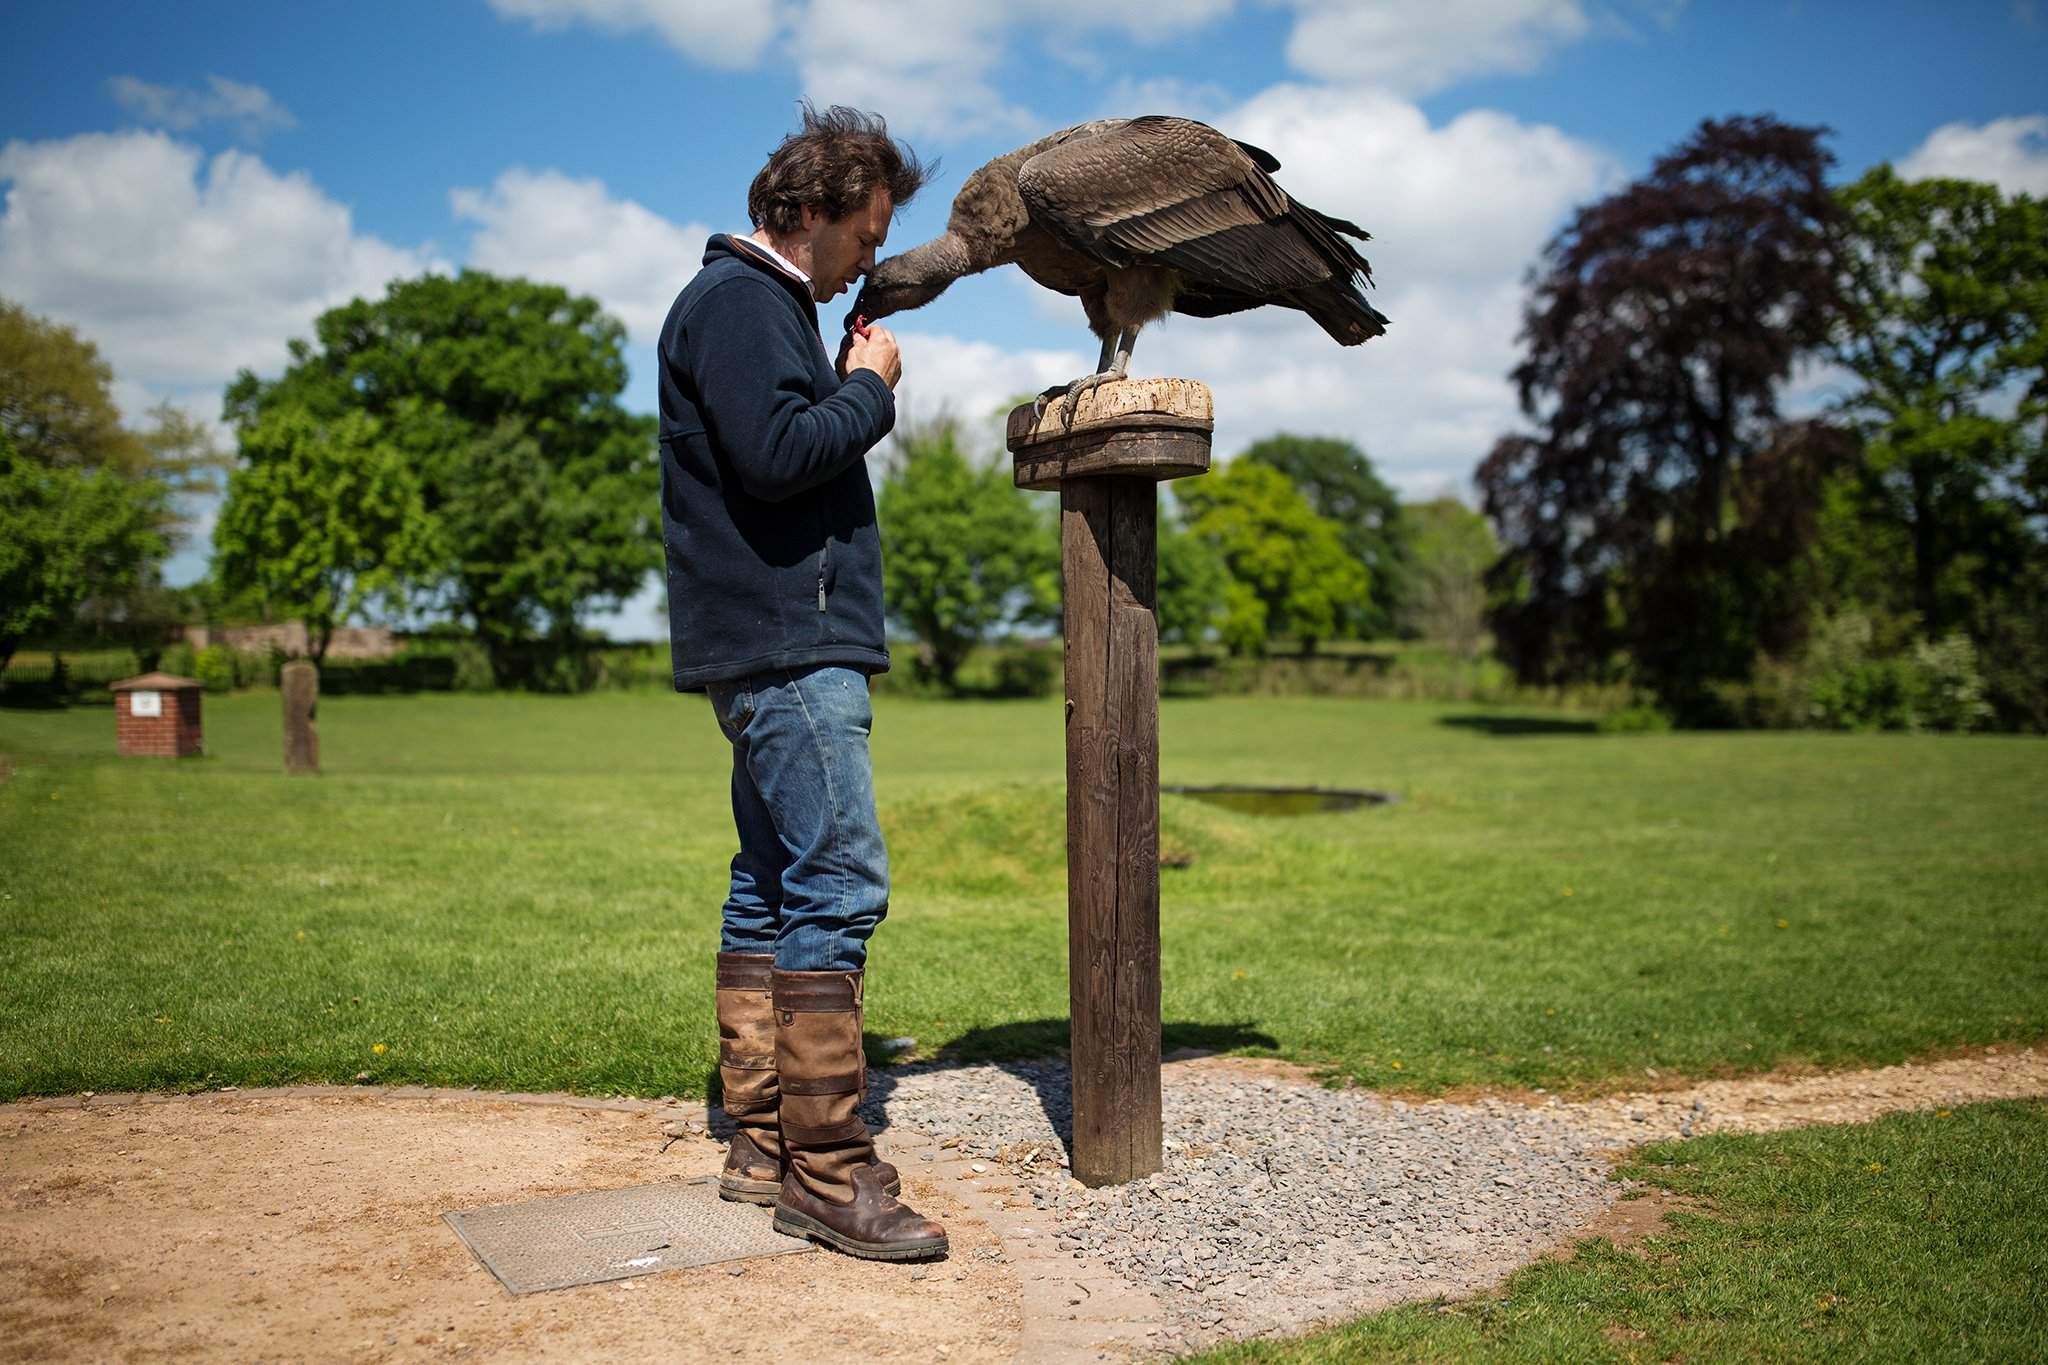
1339, 481
1947, 287
965, 552
503, 395
1443, 589
65, 533
1290, 572
180, 451
180, 455
323, 517
87, 514
56, 402
56, 399
1193, 584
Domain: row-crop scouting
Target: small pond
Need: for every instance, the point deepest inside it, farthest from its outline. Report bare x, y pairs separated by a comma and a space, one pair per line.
1283, 800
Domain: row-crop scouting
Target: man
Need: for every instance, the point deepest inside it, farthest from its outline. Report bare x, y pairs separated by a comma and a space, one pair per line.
775, 610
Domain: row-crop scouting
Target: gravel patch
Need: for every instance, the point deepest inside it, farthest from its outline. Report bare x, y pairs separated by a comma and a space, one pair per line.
1280, 1205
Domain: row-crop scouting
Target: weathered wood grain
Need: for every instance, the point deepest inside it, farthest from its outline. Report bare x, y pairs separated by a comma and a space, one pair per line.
1107, 465
1134, 710
1157, 454
1091, 814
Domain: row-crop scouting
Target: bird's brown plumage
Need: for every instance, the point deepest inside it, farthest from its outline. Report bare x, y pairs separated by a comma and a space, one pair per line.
1139, 217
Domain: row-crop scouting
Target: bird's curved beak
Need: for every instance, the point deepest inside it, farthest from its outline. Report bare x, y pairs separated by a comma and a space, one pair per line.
858, 311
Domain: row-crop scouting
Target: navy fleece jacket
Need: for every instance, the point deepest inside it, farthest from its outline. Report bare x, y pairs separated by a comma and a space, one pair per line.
774, 559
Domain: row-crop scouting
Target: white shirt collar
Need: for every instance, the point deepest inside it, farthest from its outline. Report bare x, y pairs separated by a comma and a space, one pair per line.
779, 258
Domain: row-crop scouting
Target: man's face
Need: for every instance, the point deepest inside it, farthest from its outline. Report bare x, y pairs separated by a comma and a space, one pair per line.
843, 251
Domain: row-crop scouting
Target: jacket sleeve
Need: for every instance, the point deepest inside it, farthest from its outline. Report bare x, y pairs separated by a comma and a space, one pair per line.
752, 358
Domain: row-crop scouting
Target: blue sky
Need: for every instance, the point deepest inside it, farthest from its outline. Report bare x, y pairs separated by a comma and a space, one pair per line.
189, 185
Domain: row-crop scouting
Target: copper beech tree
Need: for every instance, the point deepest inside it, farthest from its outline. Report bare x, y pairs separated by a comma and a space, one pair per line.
1664, 318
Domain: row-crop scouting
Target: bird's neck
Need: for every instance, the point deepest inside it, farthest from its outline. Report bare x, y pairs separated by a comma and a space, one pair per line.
935, 264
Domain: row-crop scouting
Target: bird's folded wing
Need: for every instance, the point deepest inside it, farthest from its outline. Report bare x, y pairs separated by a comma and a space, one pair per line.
1179, 193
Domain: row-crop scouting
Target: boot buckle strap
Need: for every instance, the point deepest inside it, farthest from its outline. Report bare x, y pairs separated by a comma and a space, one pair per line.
821, 1085
817, 992
730, 1055
847, 1130
745, 971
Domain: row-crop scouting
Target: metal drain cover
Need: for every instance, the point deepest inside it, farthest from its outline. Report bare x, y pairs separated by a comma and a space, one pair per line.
616, 1234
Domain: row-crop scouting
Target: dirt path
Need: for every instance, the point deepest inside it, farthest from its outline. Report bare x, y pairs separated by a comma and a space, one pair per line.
309, 1228
1763, 1104
306, 1224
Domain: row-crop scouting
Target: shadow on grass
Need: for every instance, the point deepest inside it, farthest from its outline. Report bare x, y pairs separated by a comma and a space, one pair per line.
1032, 1051
31, 698
1514, 727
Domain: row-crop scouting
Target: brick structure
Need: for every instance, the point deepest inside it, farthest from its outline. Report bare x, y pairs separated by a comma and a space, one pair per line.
157, 716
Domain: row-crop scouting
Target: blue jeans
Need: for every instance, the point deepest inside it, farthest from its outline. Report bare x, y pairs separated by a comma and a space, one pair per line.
811, 879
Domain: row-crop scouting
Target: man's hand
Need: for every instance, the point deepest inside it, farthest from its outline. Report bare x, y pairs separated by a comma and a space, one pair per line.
876, 351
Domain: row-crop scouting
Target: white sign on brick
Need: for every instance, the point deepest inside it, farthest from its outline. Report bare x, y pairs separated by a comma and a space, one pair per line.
145, 703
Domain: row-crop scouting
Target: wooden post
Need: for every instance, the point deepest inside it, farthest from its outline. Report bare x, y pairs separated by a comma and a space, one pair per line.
1123, 439
300, 683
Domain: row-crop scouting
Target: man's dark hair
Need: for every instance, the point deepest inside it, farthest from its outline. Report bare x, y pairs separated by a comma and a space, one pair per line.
833, 163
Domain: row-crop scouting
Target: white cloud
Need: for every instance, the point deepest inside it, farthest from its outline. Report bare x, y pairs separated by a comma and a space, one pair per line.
249, 109
927, 67
929, 62
181, 268
1426, 401
548, 226
975, 381
709, 31
1416, 46
1473, 199
1130, 98
2011, 153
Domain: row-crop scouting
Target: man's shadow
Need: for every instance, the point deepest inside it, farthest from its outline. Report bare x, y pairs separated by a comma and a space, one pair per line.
1033, 1051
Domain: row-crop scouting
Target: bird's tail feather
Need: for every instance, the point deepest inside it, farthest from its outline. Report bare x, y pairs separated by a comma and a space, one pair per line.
1342, 311
1343, 225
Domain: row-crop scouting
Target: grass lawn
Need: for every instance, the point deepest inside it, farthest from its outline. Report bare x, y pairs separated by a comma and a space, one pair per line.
1917, 1237
521, 892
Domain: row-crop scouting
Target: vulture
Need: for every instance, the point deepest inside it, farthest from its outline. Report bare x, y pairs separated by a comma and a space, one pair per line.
1138, 218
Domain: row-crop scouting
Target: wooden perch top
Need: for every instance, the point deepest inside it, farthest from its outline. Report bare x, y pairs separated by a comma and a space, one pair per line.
1182, 404
1150, 428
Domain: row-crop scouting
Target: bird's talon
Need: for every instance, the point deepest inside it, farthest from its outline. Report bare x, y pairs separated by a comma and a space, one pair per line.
1069, 405
1072, 403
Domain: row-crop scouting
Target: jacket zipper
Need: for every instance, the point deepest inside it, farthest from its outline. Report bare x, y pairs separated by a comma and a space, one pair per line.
821, 574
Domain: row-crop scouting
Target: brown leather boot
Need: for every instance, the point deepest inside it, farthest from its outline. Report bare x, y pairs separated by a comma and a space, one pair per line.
746, 1068
754, 1164
833, 1192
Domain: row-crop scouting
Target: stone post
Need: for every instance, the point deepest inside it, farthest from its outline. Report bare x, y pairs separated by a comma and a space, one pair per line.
1123, 439
300, 683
